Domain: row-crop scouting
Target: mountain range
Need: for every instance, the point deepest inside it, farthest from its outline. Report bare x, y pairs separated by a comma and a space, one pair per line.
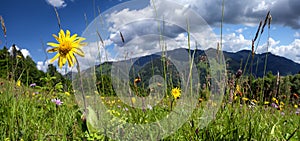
234, 61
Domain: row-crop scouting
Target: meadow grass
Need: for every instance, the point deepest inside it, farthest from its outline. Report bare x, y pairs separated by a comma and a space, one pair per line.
29, 116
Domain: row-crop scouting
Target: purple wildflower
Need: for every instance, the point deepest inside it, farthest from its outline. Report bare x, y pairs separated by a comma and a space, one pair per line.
274, 105
32, 85
126, 109
57, 101
297, 111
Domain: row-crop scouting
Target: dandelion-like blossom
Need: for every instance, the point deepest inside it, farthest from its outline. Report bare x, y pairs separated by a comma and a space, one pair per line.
18, 83
66, 47
176, 92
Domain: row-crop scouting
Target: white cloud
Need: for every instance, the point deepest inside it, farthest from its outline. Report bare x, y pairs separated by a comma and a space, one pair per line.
43, 66
271, 48
290, 51
247, 12
234, 42
25, 52
241, 30
57, 3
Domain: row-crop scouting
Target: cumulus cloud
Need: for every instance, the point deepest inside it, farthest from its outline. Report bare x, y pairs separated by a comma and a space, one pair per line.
25, 52
234, 42
43, 66
248, 12
57, 3
290, 51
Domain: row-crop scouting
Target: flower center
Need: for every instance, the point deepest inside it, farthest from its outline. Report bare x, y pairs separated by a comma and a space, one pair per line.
65, 47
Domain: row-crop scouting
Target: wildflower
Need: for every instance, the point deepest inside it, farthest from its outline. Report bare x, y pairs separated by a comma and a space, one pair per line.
176, 92
32, 85
18, 83
66, 47
35, 93
19, 56
238, 90
149, 107
57, 101
266, 102
235, 97
254, 101
274, 105
281, 103
245, 99
275, 100
137, 80
296, 106
133, 100
67, 94
297, 112
280, 107
125, 109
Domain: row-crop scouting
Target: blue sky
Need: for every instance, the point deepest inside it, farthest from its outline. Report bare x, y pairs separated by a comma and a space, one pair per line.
31, 23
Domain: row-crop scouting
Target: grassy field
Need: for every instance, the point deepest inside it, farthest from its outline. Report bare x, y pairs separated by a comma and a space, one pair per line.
30, 114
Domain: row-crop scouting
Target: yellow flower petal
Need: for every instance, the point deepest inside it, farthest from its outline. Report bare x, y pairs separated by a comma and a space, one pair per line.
79, 52
70, 60
68, 34
62, 34
54, 58
53, 44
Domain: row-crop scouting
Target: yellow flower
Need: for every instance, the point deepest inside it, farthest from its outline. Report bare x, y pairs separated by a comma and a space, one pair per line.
176, 93
254, 101
245, 98
275, 100
18, 83
296, 106
266, 102
67, 93
235, 97
281, 103
133, 100
66, 47
238, 90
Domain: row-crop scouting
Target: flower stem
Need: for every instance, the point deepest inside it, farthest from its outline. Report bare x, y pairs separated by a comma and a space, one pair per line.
81, 86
